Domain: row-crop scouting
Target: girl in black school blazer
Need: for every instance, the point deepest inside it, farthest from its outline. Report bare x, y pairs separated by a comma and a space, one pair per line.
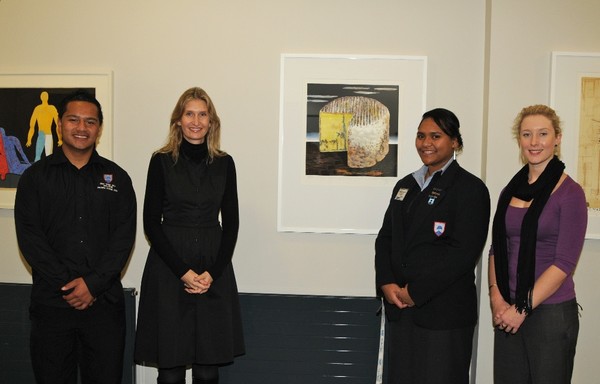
431, 239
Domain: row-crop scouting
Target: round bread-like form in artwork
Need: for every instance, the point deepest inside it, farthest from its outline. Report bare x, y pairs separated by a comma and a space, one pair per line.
367, 133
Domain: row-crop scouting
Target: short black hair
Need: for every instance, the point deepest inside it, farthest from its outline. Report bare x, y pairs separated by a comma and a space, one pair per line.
447, 121
80, 95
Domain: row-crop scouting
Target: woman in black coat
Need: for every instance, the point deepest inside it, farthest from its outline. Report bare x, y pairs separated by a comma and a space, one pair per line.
431, 239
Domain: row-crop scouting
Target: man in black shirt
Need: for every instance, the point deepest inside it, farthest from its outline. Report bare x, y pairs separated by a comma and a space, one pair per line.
75, 216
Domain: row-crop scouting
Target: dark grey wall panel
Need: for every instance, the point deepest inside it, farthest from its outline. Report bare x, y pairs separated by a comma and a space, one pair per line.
290, 339
307, 339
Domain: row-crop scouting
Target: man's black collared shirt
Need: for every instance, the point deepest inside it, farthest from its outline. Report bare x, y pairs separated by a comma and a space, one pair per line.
74, 223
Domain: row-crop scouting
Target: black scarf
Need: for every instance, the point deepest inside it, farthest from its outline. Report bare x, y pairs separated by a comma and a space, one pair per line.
540, 193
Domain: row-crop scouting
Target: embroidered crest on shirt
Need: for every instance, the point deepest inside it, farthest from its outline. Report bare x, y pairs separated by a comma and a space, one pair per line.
106, 184
439, 227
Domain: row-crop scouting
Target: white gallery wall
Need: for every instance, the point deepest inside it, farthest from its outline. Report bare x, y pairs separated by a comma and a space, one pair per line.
485, 61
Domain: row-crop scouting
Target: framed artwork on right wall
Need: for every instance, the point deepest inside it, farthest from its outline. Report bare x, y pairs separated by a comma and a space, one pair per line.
575, 95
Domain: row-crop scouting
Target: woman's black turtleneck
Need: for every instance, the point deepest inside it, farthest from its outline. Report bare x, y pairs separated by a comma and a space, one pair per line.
195, 152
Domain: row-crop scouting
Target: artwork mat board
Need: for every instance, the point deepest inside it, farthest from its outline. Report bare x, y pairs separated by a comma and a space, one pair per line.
341, 204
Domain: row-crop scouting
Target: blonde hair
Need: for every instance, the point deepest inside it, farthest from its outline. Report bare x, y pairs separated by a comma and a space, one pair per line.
538, 109
213, 137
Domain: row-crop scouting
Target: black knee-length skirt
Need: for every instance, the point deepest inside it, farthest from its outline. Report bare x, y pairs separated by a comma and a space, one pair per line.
175, 328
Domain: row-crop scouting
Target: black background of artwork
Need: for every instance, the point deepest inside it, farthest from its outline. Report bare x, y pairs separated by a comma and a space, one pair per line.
336, 163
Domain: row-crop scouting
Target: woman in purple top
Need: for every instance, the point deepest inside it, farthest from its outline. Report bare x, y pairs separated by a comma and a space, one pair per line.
537, 237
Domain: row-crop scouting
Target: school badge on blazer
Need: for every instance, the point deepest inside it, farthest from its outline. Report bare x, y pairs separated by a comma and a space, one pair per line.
438, 228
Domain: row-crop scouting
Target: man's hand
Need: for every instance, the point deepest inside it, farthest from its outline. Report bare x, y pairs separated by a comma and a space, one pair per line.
405, 296
80, 297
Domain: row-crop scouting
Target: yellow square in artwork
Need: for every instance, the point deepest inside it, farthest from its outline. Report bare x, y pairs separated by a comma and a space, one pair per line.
333, 131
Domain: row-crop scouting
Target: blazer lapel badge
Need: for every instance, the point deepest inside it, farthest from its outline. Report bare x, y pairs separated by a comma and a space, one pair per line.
439, 227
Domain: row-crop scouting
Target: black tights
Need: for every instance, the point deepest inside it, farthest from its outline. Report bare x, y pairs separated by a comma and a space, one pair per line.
202, 374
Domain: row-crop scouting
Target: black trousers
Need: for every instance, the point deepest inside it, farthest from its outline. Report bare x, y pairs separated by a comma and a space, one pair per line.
542, 351
63, 339
418, 355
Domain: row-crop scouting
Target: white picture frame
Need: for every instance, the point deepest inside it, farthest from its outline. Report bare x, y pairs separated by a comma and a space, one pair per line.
567, 71
332, 203
18, 83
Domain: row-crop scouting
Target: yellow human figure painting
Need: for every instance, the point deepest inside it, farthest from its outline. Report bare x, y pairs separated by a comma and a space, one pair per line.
333, 131
44, 115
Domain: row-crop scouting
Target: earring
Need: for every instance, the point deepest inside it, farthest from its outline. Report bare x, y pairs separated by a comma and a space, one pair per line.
454, 155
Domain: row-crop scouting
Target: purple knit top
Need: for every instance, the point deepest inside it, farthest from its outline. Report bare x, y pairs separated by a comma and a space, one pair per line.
561, 232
